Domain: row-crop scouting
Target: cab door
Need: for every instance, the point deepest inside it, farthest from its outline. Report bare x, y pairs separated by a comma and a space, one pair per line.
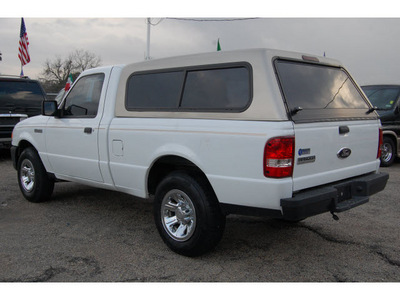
72, 139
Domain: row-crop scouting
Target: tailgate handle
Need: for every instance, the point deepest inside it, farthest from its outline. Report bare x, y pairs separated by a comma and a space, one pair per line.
344, 129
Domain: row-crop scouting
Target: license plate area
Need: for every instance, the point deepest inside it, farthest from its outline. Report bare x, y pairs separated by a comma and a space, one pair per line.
343, 192
349, 195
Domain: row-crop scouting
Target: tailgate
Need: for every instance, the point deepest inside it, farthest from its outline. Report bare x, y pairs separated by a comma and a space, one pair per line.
332, 151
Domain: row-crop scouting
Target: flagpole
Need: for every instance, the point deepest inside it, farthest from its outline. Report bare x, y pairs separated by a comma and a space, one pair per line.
148, 40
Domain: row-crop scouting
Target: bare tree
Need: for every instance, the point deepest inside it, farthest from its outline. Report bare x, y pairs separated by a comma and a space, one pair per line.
56, 71
82, 60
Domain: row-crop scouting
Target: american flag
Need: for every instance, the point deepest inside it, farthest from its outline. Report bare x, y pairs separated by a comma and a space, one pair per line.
23, 53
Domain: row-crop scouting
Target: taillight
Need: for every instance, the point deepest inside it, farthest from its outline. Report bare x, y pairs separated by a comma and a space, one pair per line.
378, 155
279, 157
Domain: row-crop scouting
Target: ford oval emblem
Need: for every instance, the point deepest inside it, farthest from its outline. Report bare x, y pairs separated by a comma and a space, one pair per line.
344, 153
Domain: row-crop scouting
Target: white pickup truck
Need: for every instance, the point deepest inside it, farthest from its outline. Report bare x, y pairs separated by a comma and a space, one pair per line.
255, 132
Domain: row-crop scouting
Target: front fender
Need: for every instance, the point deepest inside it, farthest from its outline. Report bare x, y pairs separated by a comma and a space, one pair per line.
31, 133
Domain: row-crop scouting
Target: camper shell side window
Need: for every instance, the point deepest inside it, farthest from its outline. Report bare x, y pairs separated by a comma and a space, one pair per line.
208, 88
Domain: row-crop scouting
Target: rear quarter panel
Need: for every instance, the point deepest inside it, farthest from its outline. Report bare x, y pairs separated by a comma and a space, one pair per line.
229, 153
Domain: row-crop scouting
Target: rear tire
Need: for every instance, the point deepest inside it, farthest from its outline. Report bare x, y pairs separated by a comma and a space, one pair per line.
388, 153
187, 214
34, 183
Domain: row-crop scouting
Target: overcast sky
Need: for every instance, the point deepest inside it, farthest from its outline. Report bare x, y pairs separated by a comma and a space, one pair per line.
368, 47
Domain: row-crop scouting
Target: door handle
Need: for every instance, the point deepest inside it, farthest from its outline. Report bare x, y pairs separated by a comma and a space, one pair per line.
88, 130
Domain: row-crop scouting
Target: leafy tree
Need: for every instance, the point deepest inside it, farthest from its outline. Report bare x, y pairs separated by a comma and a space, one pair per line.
56, 71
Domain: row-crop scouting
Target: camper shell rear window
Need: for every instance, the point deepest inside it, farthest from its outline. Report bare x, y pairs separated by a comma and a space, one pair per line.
317, 92
220, 88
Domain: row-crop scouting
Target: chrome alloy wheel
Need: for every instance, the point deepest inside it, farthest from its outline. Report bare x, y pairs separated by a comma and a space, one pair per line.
178, 215
387, 152
27, 176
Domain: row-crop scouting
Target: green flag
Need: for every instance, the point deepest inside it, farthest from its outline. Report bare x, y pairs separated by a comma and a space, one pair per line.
218, 46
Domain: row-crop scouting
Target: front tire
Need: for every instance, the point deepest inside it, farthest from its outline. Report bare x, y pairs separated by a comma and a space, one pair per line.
33, 180
187, 214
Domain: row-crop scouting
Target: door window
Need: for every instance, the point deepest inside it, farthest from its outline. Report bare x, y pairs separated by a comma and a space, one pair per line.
83, 99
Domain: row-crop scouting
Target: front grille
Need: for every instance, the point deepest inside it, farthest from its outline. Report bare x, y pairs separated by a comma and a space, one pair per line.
9, 121
5, 132
7, 124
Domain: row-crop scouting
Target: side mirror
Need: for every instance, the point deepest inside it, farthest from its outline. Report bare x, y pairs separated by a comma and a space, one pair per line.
49, 108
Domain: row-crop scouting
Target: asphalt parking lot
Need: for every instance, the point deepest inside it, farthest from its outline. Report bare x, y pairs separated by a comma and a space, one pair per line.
91, 235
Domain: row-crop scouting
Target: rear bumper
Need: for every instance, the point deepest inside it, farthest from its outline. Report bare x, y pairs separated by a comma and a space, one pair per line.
336, 197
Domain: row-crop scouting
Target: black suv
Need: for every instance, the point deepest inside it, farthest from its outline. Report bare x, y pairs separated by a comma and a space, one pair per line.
386, 100
20, 98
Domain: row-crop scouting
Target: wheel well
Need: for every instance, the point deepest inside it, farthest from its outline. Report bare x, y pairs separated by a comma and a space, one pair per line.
167, 164
21, 147
393, 138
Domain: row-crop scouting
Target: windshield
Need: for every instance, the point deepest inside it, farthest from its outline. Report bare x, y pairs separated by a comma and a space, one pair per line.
60, 96
17, 90
383, 97
319, 92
